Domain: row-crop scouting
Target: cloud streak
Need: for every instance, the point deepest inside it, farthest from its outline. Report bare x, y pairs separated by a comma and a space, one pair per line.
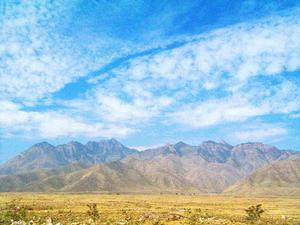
239, 53
260, 132
51, 124
238, 70
241, 105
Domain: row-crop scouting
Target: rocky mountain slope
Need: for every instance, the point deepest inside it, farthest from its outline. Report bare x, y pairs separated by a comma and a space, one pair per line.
160, 174
279, 178
46, 156
210, 167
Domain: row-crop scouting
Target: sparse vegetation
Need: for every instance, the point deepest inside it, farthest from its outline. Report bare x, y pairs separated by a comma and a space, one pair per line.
93, 212
112, 209
14, 210
254, 213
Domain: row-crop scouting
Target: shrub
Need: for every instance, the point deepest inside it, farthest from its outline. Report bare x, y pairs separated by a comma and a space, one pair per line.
254, 213
93, 212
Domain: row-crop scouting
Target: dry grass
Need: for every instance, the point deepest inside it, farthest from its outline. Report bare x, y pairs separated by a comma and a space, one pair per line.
152, 209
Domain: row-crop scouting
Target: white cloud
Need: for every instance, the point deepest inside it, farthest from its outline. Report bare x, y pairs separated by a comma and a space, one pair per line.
260, 132
139, 109
39, 57
226, 56
295, 116
111, 108
52, 124
214, 112
33, 61
240, 106
145, 147
238, 62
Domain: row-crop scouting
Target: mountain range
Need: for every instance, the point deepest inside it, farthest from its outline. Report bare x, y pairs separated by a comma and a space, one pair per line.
109, 166
280, 178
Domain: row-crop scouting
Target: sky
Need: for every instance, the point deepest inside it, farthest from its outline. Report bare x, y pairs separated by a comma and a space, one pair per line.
149, 72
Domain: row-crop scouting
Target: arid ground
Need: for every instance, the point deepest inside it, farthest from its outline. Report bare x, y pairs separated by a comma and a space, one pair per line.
146, 209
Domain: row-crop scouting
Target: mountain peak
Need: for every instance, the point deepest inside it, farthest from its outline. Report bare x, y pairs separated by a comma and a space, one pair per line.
209, 142
180, 144
76, 143
223, 142
108, 141
113, 140
43, 144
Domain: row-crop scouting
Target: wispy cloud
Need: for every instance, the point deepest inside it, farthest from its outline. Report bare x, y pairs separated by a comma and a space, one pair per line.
240, 105
232, 54
234, 68
260, 132
50, 124
40, 52
34, 59
295, 116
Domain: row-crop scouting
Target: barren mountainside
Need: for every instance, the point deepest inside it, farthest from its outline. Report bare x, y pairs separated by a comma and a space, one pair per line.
46, 156
109, 166
280, 178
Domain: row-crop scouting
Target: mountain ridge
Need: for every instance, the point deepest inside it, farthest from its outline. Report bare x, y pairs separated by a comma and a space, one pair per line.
109, 166
281, 177
46, 156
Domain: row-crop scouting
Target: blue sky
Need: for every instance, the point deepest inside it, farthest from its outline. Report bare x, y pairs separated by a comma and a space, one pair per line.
149, 72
